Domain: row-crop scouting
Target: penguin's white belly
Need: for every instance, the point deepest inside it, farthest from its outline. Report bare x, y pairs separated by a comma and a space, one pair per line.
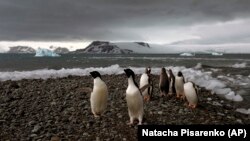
179, 85
98, 99
134, 102
143, 82
190, 94
170, 85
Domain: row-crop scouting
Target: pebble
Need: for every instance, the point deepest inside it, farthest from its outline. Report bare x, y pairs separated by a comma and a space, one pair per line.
160, 112
239, 121
55, 138
220, 114
85, 134
31, 123
53, 103
209, 99
36, 128
33, 135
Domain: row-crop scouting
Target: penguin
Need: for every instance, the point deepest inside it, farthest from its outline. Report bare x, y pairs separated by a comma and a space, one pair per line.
172, 82
179, 85
134, 98
145, 80
164, 82
99, 95
191, 93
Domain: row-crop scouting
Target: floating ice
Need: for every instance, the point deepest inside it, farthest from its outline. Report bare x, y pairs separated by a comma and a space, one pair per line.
222, 91
231, 96
40, 52
198, 66
240, 65
187, 54
201, 78
217, 53
243, 111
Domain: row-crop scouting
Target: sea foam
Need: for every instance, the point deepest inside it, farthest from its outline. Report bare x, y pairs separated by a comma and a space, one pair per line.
239, 65
201, 78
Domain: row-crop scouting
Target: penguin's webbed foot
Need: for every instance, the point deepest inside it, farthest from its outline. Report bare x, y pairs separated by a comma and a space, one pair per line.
96, 116
130, 123
177, 96
192, 106
146, 98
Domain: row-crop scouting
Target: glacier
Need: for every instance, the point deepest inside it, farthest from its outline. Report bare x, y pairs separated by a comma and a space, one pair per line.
41, 52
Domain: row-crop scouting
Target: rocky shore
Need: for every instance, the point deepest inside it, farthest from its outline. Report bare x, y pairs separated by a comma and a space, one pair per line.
59, 109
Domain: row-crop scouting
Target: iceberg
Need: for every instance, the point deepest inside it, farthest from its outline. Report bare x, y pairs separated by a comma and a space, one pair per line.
187, 54
41, 52
217, 53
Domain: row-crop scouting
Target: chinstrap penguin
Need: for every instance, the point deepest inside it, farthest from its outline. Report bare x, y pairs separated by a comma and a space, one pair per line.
191, 93
99, 95
179, 85
164, 82
134, 98
146, 80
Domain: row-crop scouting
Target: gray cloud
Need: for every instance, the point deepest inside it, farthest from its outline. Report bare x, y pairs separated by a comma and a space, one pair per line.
46, 20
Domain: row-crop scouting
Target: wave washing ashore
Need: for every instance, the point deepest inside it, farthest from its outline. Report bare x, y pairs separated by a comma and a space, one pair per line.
201, 78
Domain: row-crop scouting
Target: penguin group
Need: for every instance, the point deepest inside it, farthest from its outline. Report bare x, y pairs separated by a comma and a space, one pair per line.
136, 95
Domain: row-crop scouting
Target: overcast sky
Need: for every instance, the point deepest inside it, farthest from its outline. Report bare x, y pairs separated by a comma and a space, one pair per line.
153, 21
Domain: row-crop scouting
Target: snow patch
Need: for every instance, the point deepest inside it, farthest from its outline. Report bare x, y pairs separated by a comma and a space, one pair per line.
243, 111
239, 65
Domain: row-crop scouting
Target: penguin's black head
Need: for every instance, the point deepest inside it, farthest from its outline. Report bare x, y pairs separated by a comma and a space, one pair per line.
148, 70
170, 71
163, 70
95, 74
129, 73
180, 74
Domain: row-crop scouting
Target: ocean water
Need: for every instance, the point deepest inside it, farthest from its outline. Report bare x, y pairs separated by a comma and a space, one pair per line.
227, 75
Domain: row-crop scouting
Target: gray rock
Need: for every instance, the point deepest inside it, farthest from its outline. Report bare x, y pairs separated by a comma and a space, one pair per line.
85, 134
53, 103
164, 105
220, 114
31, 123
209, 99
239, 121
36, 128
33, 135
119, 115
160, 112
180, 111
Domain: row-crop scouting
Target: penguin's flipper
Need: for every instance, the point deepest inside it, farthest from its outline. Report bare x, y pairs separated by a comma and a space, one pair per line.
144, 87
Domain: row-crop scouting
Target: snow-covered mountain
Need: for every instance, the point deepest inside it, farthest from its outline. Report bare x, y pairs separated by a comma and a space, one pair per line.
61, 50
21, 49
103, 47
